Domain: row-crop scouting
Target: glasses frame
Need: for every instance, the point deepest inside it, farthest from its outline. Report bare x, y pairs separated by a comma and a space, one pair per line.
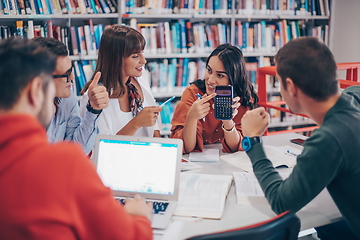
64, 75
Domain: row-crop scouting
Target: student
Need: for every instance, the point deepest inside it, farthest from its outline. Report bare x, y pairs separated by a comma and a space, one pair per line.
50, 191
306, 70
66, 123
194, 120
132, 109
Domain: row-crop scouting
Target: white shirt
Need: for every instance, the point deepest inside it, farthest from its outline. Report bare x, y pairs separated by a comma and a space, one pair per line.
112, 119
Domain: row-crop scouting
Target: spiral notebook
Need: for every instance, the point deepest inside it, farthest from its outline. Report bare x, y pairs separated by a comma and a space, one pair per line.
207, 155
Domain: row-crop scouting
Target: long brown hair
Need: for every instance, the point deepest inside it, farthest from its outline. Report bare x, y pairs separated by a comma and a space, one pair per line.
117, 43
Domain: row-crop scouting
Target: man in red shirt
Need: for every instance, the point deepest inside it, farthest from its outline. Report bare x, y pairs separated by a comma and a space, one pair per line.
50, 191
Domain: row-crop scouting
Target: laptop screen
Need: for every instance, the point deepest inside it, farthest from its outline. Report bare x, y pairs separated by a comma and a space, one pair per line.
137, 166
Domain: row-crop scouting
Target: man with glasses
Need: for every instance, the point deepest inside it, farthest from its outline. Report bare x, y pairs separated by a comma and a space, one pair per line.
67, 123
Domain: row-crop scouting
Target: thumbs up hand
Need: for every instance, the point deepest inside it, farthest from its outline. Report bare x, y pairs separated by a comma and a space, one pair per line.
98, 96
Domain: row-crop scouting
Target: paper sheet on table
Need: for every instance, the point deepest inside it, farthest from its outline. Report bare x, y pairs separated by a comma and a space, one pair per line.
248, 188
207, 155
171, 232
202, 195
279, 156
188, 166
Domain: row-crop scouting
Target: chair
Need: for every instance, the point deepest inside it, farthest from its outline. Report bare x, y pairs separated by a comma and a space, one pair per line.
351, 69
285, 226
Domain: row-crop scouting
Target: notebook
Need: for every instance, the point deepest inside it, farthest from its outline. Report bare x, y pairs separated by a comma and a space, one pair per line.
150, 167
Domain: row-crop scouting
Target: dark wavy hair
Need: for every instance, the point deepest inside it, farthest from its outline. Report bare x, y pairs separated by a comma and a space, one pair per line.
117, 43
234, 64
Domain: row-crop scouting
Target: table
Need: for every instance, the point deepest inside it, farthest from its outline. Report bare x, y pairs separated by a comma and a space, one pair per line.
319, 211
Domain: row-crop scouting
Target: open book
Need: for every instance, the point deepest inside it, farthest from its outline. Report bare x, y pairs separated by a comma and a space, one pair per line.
202, 195
279, 156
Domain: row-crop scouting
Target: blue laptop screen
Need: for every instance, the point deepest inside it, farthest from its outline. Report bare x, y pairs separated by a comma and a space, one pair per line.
135, 166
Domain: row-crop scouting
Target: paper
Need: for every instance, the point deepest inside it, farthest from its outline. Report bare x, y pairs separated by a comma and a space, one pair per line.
279, 156
171, 232
202, 195
207, 155
247, 186
188, 166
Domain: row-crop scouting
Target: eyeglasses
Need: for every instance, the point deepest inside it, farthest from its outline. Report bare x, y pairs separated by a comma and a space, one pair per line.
67, 75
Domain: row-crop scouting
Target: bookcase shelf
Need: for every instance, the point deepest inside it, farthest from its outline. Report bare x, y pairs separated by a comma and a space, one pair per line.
176, 55
157, 16
291, 123
58, 16
279, 17
176, 93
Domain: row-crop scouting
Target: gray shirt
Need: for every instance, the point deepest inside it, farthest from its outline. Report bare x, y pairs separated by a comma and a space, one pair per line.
330, 158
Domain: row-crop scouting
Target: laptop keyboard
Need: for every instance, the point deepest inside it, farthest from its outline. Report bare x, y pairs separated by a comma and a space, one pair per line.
158, 207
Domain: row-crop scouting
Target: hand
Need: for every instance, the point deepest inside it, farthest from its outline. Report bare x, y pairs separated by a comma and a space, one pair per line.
228, 124
236, 104
98, 96
138, 206
254, 122
147, 116
200, 108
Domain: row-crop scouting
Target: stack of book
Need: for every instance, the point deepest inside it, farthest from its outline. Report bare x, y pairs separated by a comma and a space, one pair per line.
269, 37
80, 40
34, 7
242, 7
182, 36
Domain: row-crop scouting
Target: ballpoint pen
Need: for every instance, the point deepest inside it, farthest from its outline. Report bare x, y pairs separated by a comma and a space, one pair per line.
169, 100
288, 152
199, 97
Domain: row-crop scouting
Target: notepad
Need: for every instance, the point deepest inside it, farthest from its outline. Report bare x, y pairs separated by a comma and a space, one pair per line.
207, 155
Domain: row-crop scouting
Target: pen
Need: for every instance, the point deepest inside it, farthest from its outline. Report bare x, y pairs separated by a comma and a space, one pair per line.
199, 97
291, 153
169, 100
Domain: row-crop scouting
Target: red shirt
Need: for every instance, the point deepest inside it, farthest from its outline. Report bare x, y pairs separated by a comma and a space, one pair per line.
52, 191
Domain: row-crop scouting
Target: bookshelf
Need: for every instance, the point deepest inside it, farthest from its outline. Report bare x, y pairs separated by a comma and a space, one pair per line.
253, 25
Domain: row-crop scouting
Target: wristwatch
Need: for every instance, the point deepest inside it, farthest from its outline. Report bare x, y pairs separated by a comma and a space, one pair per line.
90, 109
248, 142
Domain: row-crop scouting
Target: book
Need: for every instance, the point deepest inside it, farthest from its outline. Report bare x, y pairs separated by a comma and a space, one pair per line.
89, 40
21, 6
30, 29
202, 195
81, 40
284, 156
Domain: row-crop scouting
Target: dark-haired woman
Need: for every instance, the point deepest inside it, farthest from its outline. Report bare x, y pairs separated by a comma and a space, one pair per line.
194, 121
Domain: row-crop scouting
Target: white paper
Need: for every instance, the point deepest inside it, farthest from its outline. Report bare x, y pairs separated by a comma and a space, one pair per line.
171, 232
207, 155
279, 156
202, 195
188, 166
247, 186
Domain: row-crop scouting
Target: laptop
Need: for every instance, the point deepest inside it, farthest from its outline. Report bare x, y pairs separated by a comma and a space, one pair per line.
151, 167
